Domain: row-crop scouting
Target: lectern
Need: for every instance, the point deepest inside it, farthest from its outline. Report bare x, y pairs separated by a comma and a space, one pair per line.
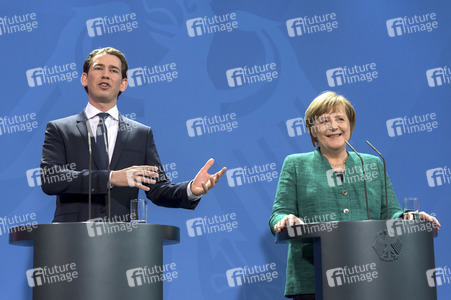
370, 260
97, 260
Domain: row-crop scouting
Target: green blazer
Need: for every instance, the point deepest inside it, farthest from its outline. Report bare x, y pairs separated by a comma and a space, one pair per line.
309, 189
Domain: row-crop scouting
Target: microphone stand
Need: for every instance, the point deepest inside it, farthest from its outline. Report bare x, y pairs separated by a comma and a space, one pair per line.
108, 184
364, 179
89, 176
385, 176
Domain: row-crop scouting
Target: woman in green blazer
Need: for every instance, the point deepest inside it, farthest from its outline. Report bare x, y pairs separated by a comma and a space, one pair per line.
327, 185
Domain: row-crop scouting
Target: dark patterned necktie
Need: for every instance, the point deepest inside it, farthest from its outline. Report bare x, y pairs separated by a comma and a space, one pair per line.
100, 145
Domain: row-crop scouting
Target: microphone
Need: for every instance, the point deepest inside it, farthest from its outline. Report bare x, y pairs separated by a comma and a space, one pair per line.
385, 175
108, 182
364, 179
90, 171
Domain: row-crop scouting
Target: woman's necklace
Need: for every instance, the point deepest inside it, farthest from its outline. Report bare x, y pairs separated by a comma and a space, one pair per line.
338, 165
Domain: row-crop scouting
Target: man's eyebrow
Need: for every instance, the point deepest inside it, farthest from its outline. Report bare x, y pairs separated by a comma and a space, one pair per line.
102, 65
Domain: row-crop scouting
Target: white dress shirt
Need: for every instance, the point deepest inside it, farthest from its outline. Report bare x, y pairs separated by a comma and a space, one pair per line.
112, 126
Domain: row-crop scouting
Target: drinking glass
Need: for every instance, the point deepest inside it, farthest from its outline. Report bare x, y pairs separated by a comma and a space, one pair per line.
138, 210
411, 206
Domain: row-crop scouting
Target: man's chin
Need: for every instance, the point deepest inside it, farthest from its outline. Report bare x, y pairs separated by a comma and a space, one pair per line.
104, 100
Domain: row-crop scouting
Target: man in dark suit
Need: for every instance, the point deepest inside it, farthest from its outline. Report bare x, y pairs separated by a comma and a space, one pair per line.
133, 157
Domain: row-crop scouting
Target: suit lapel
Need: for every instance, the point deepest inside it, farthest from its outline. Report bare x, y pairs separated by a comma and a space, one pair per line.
83, 129
123, 133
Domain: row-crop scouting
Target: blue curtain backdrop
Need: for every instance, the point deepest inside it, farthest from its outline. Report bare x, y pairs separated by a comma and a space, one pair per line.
229, 80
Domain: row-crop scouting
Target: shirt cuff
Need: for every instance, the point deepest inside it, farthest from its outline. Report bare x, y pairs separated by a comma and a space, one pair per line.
191, 196
110, 186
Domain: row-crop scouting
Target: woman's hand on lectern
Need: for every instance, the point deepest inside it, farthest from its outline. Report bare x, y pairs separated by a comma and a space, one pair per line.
423, 216
289, 220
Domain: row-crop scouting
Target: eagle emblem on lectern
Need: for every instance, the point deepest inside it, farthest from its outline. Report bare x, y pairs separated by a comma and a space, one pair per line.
386, 247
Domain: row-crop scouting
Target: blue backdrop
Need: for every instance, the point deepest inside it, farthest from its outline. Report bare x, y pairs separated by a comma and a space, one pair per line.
229, 80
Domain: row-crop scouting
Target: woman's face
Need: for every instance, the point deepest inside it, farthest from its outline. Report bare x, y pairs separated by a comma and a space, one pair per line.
332, 129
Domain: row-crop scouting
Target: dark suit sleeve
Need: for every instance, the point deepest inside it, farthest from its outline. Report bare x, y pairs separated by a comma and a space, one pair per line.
59, 175
164, 193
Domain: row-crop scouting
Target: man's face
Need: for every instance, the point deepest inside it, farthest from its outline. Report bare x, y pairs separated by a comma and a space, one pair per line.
104, 80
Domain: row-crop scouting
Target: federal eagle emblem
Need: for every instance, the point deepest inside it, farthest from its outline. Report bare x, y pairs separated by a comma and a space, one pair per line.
386, 247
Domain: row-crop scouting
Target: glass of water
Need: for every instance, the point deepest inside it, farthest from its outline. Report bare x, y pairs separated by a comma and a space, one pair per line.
411, 206
138, 210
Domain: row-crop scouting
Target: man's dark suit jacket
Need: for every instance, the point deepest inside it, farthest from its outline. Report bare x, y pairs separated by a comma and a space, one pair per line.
66, 143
